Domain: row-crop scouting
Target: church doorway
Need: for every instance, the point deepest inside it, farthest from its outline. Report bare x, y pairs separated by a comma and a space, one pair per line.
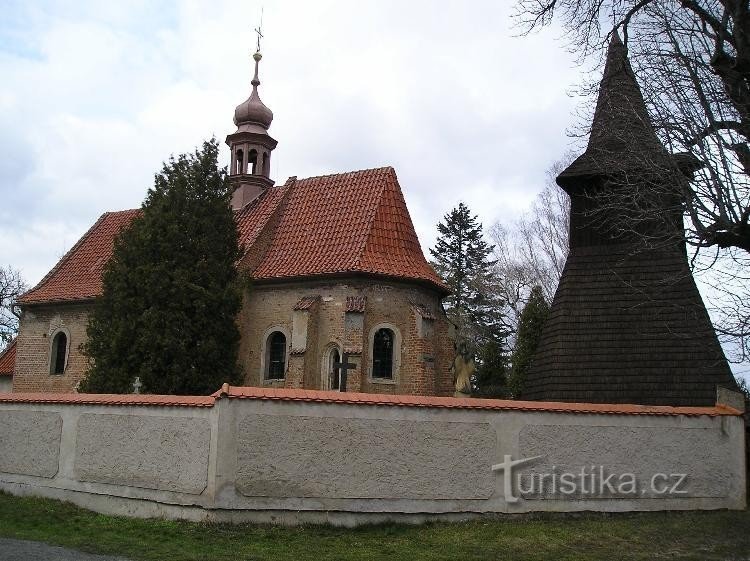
331, 374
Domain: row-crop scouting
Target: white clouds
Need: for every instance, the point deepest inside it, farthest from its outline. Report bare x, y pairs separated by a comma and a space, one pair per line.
97, 95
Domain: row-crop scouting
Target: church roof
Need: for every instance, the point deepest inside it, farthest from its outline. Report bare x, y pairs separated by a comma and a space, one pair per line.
346, 223
8, 359
622, 138
78, 275
343, 224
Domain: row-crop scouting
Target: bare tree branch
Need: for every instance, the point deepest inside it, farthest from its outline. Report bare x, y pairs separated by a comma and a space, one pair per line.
12, 286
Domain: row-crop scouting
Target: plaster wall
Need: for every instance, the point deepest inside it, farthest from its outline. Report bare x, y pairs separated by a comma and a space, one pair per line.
306, 461
6, 384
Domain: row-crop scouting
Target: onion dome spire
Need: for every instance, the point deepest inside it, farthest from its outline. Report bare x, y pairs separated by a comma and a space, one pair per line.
251, 145
253, 111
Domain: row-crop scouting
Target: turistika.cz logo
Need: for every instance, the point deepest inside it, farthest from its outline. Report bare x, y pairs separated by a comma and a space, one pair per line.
593, 481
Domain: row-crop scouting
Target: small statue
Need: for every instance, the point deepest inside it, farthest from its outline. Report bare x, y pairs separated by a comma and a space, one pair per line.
463, 369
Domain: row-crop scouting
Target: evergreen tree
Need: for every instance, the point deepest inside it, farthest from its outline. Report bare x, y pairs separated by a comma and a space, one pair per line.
170, 290
461, 257
530, 325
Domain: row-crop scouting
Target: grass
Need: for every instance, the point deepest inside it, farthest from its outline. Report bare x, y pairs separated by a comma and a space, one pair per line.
700, 536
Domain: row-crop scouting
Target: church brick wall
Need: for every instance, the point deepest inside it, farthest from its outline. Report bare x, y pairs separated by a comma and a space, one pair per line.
424, 360
392, 304
38, 325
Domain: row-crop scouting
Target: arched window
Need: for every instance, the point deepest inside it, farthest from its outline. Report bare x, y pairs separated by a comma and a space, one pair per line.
239, 161
382, 354
58, 353
334, 377
276, 352
252, 162
264, 166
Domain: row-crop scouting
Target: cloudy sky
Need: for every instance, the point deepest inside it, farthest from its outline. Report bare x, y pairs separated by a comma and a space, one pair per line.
95, 95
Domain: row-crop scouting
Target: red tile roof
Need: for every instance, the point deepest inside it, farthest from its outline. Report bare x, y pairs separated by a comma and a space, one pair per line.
252, 218
8, 359
315, 396
78, 275
284, 394
349, 223
305, 303
356, 304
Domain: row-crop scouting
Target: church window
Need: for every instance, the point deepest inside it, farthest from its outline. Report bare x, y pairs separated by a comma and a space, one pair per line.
239, 161
334, 377
58, 353
382, 354
276, 349
264, 164
252, 162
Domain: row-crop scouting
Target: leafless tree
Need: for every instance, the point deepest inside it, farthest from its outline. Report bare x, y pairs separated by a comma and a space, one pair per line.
12, 286
532, 250
692, 60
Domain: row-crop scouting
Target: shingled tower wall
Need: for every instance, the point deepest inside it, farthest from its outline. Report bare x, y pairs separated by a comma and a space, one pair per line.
627, 323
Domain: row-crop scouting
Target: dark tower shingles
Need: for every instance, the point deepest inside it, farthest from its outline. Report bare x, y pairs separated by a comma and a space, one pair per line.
627, 324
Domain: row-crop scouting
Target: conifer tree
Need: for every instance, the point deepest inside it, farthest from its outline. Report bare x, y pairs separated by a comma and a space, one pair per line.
170, 290
529, 334
461, 257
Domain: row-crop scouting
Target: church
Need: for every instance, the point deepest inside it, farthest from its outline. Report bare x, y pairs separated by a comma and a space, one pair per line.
338, 278
340, 282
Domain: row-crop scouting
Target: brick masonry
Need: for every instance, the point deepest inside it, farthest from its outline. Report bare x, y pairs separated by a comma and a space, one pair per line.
37, 327
422, 363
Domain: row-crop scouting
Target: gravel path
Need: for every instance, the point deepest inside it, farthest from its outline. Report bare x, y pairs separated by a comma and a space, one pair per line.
19, 550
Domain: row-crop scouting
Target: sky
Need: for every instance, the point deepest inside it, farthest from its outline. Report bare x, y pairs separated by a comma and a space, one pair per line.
96, 95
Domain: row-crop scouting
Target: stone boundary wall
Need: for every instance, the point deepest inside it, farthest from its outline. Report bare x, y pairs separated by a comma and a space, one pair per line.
297, 456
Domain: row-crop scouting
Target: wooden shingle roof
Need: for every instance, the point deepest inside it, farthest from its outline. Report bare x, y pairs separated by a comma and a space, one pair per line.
627, 323
628, 328
622, 139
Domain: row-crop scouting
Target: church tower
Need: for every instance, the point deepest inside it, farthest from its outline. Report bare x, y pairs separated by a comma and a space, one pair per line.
251, 146
627, 324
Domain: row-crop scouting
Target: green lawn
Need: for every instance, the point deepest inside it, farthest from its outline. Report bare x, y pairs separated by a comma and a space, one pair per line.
693, 535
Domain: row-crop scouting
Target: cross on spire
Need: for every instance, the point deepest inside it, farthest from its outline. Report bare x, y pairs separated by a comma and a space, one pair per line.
258, 30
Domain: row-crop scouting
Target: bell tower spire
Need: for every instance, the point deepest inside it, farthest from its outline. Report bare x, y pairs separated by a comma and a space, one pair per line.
251, 145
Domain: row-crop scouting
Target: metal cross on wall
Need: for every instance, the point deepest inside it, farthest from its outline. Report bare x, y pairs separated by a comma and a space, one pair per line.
343, 366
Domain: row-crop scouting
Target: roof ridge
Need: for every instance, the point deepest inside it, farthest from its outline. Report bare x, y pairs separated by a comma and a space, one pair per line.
390, 174
326, 175
285, 193
66, 257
